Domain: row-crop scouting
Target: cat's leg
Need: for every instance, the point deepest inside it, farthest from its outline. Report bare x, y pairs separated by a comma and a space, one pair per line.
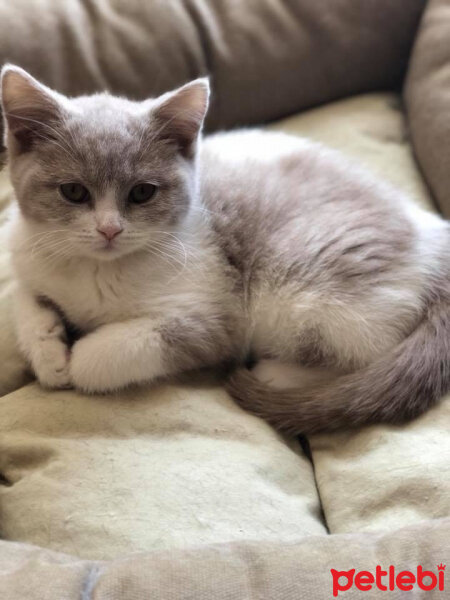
140, 350
42, 339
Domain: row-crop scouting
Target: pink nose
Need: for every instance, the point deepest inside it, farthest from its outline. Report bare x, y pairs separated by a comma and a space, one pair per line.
110, 231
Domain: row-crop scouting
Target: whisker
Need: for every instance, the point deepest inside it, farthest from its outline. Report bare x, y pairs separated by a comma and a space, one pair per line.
164, 254
39, 235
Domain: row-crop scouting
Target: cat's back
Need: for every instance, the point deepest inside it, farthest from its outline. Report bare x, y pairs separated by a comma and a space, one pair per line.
286, 209
271, 194
252, 183
319, 242
263, 174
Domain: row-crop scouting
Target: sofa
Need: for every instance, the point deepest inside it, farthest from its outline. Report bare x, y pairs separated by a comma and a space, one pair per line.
173, 491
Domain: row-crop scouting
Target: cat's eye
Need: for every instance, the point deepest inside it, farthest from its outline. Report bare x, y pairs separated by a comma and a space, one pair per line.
141, 193
74, 192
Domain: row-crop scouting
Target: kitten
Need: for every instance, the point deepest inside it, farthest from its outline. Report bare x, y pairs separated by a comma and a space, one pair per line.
167, 255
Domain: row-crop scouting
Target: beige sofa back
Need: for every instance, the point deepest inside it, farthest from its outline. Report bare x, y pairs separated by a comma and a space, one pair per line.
427, 96
267, 58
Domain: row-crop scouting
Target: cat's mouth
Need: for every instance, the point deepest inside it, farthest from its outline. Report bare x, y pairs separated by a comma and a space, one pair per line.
111, 249
107, 245
107, 248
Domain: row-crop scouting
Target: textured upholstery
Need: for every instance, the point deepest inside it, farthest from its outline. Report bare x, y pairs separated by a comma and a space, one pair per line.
267, 58
427, 96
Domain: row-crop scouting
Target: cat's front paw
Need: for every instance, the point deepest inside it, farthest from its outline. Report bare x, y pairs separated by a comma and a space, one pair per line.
51, 364
90, 369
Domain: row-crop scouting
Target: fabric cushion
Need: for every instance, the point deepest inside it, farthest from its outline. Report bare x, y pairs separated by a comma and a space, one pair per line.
427, 94
267, 58
238, 571
381, 478
171, 467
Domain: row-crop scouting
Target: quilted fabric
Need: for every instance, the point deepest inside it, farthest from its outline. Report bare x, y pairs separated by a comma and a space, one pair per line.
244, 571
170, 467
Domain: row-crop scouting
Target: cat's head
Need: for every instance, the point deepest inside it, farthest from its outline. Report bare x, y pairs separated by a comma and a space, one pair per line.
99, 175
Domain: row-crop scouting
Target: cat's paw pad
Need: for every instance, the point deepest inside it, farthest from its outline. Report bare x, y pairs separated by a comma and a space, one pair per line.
52, 364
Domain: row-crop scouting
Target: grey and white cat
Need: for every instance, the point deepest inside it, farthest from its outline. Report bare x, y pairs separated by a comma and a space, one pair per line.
167, 255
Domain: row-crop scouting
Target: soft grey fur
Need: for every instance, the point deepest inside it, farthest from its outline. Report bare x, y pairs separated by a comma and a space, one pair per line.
257, 247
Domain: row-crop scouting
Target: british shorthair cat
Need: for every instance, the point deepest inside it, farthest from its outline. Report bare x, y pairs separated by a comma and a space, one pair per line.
169, 253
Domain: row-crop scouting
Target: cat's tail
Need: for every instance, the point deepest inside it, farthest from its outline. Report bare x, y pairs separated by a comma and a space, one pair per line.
393, 389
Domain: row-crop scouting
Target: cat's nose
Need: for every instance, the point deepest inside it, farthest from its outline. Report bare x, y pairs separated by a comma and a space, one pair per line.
110, 231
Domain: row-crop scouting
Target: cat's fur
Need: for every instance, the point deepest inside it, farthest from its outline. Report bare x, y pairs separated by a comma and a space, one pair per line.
256, 245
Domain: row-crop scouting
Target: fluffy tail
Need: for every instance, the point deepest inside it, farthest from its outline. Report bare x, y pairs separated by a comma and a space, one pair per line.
398, 387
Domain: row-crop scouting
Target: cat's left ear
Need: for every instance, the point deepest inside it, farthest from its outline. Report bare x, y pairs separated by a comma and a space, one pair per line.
179, 115
31, 110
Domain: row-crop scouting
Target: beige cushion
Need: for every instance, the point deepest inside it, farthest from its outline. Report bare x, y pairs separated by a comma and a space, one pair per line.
263, 571
173, 467
381, 478
267, 58
427, 95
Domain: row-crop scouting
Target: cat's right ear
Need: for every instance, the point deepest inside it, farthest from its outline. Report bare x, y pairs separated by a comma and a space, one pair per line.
30, 109
179, 115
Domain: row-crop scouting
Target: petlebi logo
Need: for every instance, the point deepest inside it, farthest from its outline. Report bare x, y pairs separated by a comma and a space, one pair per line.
388, 580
